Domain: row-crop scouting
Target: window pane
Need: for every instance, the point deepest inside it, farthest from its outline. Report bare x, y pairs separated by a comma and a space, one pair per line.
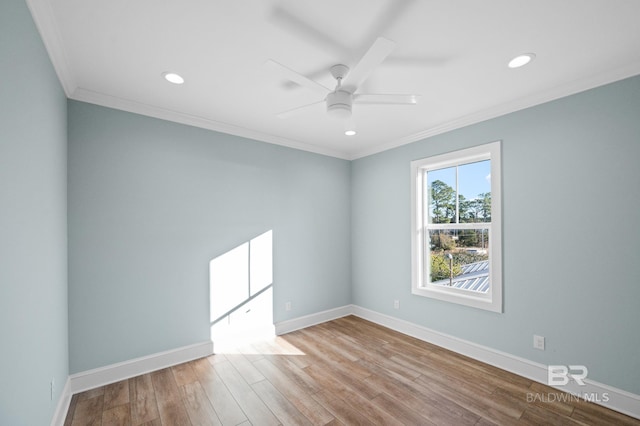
474, 185
459, 258
441, 195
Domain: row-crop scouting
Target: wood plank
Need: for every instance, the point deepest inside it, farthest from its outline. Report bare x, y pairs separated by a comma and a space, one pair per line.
294, 372
250, 353
253, 407
485, 422
215, 358
168, 398
335, 422
154, 422
424, 402
335, 379
71, 410
300, 399
375, 333
281, 407
470, 369
119, 415
535, 415
88, 412
224, 404
341, 410
198, 406
347, 372
116, 394
143, 400
281, 347
245, 368
447, 376
165, 386
373, 412
389, 368
399, 411
183, 374
481, 404
326, 347
91, 393
377, 356
321, 333
203, 369
533, 395
393, 343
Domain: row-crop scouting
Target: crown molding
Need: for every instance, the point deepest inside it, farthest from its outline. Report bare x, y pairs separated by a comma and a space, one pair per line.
570, 88
128, 105
43, 17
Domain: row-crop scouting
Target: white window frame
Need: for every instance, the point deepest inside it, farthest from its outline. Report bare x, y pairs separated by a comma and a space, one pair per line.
420, 285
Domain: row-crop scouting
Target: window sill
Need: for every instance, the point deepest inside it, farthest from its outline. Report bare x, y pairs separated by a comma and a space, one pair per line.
461, 297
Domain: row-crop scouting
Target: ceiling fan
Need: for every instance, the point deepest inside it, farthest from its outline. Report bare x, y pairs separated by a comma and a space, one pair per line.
339, 101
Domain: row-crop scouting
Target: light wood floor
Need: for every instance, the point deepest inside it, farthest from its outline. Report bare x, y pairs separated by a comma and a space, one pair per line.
348, 371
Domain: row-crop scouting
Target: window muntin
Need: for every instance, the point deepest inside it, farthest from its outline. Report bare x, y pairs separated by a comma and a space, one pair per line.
456, 227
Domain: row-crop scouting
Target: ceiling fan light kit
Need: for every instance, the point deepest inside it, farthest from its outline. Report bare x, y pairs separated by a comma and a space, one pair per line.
339, 104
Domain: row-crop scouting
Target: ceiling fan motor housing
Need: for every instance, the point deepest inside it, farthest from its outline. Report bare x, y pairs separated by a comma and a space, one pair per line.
339, 104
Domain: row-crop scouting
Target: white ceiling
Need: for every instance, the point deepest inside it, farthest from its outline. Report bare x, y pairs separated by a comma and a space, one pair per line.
452, 53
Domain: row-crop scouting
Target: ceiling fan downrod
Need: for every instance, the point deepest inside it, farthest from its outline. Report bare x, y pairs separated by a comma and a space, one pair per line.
339, 102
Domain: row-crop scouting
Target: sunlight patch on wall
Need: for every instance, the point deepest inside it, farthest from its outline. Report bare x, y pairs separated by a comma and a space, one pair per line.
261, 262
241, 293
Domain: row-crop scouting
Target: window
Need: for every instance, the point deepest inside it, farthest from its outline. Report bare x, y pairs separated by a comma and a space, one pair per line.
456, 227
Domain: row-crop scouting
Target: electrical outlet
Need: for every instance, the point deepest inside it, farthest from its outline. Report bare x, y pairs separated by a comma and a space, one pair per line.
396, 304
538, 342
287, 306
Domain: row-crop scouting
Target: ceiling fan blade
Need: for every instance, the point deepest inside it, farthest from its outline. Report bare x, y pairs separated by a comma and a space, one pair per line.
391, 14
386, 99
297, 77
294, 111
303, 29
380, 49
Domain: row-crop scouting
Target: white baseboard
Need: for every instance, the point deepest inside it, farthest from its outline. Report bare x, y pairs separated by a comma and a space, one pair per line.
60, 414
124, 370
288, 326
605, 395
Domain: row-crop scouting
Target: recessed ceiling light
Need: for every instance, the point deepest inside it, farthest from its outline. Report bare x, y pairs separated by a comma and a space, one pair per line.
350, 132
172, 77
522, 60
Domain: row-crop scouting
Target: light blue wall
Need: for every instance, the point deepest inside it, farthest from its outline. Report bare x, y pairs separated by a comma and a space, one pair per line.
571, 182
33, 224
152, 202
